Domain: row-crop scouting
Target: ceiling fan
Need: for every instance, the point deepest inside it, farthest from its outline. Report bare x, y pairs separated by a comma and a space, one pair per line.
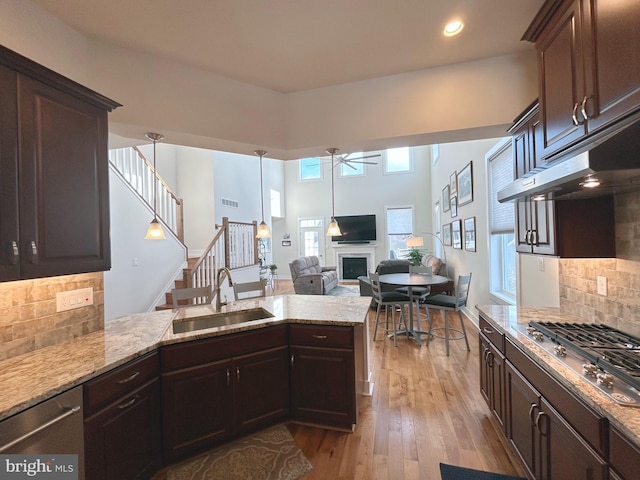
345, 160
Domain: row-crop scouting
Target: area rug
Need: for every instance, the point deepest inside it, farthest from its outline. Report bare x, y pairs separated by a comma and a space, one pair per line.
450, 472
267, 455
345, 291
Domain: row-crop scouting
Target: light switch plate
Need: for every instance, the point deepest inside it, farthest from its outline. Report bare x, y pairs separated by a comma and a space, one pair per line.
71, 299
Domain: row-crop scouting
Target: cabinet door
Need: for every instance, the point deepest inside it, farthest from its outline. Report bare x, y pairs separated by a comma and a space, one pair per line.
492, 379
261, 389
566, 456
612, 63
64, 197
522, 404
323, 386
123, 441
9, 229
560, 67
524, 227
543, 236
197, 408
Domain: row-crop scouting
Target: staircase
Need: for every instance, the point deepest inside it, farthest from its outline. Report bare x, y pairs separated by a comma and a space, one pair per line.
234, 245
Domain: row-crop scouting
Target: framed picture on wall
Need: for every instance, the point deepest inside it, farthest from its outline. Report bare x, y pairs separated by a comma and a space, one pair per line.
453, 183
446, 199
446, 234
470, 234
465, 185
456, 234
454, 206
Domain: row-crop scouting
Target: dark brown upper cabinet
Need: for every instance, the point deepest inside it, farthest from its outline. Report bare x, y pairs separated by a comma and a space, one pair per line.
589, 69
54, 204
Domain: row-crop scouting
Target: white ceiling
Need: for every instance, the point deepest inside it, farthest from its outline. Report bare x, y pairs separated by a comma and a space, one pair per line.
296, 45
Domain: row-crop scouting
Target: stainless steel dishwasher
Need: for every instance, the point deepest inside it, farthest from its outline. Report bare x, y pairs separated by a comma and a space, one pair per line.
54, 426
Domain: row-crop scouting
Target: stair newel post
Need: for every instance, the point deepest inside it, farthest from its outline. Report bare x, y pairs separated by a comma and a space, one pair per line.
255, 241
227, 243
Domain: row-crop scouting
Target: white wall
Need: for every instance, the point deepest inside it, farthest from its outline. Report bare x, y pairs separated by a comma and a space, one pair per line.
141, 270
453, 158
354, 196
538, 281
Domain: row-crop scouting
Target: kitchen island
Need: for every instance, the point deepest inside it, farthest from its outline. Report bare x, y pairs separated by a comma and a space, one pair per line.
32, 378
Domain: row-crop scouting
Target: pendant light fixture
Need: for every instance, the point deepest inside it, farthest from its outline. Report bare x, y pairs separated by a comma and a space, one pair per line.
334, 228
155, 231
263, 228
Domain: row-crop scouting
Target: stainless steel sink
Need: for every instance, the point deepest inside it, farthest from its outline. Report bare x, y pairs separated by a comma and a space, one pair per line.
220, 320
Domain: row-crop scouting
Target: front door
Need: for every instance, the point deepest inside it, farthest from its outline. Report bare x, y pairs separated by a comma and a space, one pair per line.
312, 238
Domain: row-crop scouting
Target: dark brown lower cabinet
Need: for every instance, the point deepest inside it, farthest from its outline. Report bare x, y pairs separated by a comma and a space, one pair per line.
549, 447
216, 389
492, 364
323, 375
123, 441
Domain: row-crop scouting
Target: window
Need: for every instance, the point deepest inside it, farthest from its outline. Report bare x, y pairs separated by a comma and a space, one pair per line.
399, 228
502, 247
310, 168
352, 169
398, 160
276, 205
311, 237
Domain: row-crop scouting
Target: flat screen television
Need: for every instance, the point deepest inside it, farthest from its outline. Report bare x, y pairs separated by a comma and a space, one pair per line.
356, 229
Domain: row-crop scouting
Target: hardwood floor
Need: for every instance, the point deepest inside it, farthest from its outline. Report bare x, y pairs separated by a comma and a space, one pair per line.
426, 408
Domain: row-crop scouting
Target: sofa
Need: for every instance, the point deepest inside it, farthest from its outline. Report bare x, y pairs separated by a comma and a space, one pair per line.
402, 266
309, 278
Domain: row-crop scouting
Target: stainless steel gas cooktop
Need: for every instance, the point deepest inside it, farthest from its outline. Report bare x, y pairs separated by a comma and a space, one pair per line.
607, 357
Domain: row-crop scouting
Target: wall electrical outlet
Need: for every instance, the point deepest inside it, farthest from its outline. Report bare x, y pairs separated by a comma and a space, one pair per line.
602, 285
71, 299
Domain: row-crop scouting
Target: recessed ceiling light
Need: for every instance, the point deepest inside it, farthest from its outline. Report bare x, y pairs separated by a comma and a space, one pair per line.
539, 198
453, 28
590, 182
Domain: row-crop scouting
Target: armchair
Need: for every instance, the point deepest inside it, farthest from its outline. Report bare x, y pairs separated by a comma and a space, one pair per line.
309, 278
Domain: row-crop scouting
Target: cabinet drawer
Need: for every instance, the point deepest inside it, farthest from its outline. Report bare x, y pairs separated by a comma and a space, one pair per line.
493, 335
321, 336
119, 382
592, 427
624, 457
199, 352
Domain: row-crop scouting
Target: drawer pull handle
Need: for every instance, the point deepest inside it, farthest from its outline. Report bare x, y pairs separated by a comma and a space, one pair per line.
228, 377
487, 330
238, 374
574, 114
320, 337
584, 107
122, 406
292, 360
129, 378
34, 252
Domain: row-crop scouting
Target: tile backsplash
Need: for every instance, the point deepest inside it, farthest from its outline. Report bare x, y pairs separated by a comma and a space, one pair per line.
620, 308
28, 317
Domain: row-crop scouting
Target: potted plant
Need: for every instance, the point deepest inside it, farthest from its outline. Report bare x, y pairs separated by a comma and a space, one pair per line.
414, 256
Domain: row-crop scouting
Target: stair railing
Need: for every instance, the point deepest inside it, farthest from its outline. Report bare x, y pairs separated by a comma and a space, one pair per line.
139, 173
234, 246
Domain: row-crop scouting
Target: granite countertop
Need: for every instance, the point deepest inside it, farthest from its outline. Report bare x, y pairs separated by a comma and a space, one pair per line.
34, 377
506, 318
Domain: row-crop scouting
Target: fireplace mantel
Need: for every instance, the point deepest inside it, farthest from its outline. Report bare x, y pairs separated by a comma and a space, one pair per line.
364, 250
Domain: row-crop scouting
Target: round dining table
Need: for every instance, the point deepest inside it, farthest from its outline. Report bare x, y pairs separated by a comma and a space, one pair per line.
411, 280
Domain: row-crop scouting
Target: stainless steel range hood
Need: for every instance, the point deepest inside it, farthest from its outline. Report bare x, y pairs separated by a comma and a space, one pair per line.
613, 160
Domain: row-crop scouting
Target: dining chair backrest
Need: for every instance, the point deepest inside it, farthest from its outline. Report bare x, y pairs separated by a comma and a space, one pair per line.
245, 290
375, 286
420, 269
462, 291
197, 295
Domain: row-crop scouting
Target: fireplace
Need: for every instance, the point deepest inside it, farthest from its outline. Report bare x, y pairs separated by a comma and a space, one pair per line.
354, 267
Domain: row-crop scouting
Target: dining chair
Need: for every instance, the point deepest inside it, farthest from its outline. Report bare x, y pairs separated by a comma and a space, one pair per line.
256, 289
193, 296
418, 294
450, 303
391, 299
